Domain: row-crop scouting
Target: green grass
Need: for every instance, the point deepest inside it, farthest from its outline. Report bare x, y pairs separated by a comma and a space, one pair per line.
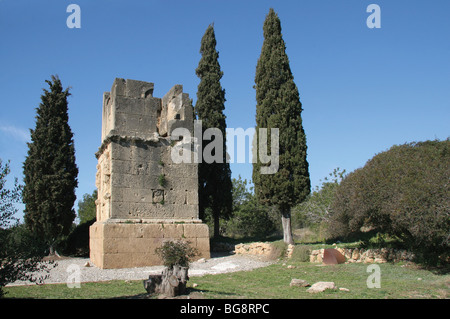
273, 282
89, 290
397, 281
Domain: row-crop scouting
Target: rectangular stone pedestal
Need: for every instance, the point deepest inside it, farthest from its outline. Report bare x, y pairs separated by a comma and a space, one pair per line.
128, 245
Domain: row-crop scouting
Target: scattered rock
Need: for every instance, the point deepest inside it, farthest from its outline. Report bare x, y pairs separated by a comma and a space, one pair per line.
87, 264
299, 283
201, 260
321, 286
344, 289
194, 285
290, 267
257, 248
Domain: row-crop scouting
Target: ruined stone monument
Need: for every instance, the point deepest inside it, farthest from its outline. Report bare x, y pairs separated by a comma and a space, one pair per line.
144, 198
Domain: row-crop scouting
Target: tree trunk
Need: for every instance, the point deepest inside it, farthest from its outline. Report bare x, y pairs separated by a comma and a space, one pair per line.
52, 251
286, 222
172, 282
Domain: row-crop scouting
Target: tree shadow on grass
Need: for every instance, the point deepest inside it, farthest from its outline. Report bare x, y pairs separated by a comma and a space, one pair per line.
191, 293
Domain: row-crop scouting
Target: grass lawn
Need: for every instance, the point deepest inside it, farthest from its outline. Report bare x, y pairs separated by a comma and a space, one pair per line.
89, 290
272, 282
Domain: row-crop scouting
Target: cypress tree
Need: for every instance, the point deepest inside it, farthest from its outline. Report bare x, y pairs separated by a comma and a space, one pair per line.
50, 172
214, 178
279, 106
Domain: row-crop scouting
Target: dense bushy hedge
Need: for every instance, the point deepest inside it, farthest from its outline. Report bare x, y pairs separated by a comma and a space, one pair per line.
252, 220
402, 192
249, 218
77, 243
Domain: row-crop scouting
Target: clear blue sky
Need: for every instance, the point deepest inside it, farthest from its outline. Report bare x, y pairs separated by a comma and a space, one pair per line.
363, 90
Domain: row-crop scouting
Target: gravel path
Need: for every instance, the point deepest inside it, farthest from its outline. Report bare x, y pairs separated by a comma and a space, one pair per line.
68, 268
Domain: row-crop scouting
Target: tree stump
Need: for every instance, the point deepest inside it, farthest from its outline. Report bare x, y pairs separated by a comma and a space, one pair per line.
172, 282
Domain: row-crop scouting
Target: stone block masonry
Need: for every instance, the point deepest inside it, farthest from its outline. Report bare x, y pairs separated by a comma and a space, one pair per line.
116, 244
144, 197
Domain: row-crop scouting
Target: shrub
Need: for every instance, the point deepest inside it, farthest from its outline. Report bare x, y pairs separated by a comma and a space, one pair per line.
403, 192
21, 255
315, 210
176, 253
77, 243
301, 253
251, 220
162, 180
21, 252
279, 249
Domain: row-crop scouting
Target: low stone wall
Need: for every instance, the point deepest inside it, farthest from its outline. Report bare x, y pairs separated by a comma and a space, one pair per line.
258, 249
352, 255
359, 255
262, 249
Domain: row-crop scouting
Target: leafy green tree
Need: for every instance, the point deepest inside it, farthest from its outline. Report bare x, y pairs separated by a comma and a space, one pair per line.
77, 242
240, 192
404, 193
8, 197
278, 106
316, 209
214, 178
250, 218
49, 169
20, 253
87, 210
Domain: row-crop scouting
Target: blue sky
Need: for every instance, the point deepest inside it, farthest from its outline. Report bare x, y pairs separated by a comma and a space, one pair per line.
363, 90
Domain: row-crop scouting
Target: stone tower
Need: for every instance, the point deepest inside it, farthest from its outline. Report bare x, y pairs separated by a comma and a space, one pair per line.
144, 198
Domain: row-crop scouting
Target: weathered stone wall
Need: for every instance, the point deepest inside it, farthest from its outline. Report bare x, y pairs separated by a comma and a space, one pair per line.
352, 255
127, 245
136, 176
258, 249
137, 181
145, 184
130, 110
357, 255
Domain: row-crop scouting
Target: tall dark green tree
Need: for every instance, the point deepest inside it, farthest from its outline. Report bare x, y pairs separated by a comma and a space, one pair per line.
278, 106
214, 178
50, 172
